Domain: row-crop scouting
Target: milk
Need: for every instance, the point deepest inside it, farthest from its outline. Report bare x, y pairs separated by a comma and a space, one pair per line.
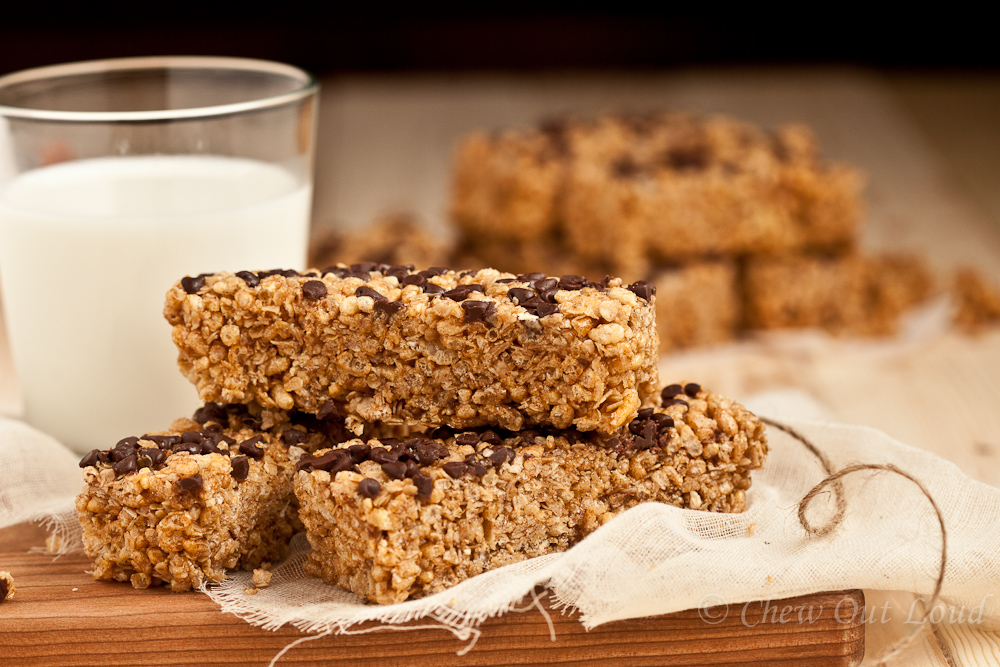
88, 250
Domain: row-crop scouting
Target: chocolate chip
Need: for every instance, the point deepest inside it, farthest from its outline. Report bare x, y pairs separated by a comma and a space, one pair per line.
209, 446
671, 390
90, 459
394, 469
636, 425
692, 389
500, 456
504, 281
625, 167
478, 311
479, 469
390, 308
519, 294
674, 401
156, 456
130, 441
545, 284
359, 453
326, 410
369, 488
364, 267
249, 278
687, 158
289, 273
643, 289
540, 308
412, 468
645, 413
431, 288
338, 271
382, 455
414, 279
365, 290
470, 438
429, 452
191, 484
662, 421
572, 282
241, 468
192, 436
314, 290
490, 438
333, 461
455, 469
250, 448
293, 436
189, 447
121, 452
717, 434
192, 285
531, 277
424, 484
397, 272
211, 412
436, 271
460, 293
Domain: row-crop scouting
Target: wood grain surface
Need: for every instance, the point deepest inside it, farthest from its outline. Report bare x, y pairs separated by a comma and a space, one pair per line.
62, 617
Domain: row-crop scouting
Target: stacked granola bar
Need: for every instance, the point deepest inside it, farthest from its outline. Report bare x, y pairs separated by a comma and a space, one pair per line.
422, 426
718, 213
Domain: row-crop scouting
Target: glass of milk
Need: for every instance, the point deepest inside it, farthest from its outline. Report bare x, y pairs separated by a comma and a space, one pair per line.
118, 178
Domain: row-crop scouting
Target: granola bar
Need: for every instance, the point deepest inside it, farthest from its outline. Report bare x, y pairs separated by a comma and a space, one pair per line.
628, 192
392, 520
379, 343
697, 304
844, 294
7, 589
181, 506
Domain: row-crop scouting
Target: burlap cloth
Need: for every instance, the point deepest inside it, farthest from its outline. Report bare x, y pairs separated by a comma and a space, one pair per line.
653, 559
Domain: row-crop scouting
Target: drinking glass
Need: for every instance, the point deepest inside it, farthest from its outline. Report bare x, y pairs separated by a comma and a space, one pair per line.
118, 178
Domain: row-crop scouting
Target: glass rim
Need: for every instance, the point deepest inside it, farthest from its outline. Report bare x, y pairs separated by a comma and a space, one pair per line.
308, 87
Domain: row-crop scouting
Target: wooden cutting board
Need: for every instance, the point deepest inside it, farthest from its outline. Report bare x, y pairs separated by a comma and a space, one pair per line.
61, 616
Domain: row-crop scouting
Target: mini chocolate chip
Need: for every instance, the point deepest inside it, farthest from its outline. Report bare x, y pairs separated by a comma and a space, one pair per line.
211, 447
643, 289
121, 451
130, 441
314, 290
364, 267
414, 279
293, 436
540, 308
662, 421
250, 448
692, 389
442, 433
478, 311
330, 460
645, 413
394, 469
90, 459
531, 277
382, 455
520, 294
241, 468
429, 452
369, 488
156, 456
397, 272
671, 390
500, 456
572, 282
338, 271
359, 453
636, 426
189, 447
460, 293
490, 438
424, 484
191, 484
192, 285
249, 278
674, 401
717, 434
412, 468
548, 295
687, 158
479, 469
289, 273
214, 427
126, 465
455, 469
431, 288
468, 438
504, 281
390, 308
437, 270
192, 436
365, 290
625, 167
326, 410
545, 284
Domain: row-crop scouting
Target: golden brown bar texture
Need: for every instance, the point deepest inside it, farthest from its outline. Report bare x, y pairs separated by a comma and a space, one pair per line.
378, 343
392, 520
178, 507
629, 191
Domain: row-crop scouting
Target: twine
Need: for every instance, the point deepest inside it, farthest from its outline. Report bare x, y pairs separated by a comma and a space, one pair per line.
834, 479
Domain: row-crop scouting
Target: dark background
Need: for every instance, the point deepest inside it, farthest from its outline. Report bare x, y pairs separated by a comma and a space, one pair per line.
515, 36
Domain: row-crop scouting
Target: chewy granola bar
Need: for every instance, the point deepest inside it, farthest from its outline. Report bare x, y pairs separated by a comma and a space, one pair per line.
180, 506
697, 304
379, 343
627, 192
844, 294
391, 520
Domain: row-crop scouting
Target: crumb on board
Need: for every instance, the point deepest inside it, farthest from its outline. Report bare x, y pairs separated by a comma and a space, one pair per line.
751, 529
250, 591
261, 578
